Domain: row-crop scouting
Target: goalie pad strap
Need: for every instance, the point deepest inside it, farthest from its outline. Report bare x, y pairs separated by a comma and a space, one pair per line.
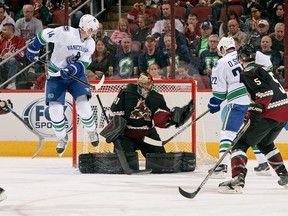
114, 129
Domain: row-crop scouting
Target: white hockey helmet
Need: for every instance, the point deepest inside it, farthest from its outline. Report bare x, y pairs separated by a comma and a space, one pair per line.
226, 43
87, 22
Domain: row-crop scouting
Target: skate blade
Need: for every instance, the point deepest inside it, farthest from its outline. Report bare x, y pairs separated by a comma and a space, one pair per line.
228, 190
263, 173
3, 196
221, 175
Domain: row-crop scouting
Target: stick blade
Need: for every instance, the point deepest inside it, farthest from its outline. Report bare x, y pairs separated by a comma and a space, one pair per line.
40, 146
153, 142
187, 194
99, 85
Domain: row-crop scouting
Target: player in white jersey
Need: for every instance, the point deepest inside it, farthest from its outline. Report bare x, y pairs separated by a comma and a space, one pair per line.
72, 52
226, 85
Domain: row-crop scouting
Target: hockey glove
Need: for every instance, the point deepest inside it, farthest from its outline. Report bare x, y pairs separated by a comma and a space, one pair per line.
214, 105
254, 113
32, 52
65, 72
182, 115
5, 106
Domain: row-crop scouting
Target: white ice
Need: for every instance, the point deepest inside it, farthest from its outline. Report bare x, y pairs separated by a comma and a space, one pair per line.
50, 186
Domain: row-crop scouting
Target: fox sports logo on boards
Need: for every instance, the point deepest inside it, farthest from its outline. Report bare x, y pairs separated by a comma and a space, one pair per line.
36, 114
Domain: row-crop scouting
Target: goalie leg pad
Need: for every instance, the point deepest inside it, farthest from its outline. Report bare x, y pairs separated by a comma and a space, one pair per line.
106, 163
114, 129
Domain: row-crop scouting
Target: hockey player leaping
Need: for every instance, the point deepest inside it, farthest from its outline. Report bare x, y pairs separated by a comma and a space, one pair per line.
72, 52
226, 85
5, 107
268, 115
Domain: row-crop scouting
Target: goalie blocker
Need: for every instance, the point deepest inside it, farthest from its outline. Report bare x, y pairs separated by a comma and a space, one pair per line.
181, 115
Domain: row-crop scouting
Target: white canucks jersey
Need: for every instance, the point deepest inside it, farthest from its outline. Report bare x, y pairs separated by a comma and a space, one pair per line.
67, 44
225, 80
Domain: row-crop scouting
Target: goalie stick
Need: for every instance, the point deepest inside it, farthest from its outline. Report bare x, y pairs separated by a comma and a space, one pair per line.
161, 143
237, 138
41, 138
119, 150
96, 87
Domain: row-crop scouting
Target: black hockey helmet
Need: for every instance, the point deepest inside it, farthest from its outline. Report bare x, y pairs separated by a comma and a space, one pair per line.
247, 52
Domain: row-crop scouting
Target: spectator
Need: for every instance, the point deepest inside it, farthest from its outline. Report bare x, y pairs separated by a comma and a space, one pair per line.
143, 30
232, 15
4, 18
278, 37
278, 14
201, 43
180, 37
209, 57
188, 5
101, 34
10, 44
275, 56
261, 30
41, 12
122, 29
150, 56
28, 26
139, 8
182, 73
192, 29
102, 62
252, 22
126, 62
182, 56
159, 25
155, 71
235, 32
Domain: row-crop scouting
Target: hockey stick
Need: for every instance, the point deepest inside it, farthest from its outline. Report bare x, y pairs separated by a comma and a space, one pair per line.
162, 143
119, 150
96, 87
41, 138
237, 138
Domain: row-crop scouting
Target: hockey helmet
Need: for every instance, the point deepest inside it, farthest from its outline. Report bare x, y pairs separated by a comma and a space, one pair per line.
247, 53
88, 22
225, 43
145, 84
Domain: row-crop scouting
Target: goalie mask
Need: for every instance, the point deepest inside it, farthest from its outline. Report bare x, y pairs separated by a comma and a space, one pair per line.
89, 24
145, 84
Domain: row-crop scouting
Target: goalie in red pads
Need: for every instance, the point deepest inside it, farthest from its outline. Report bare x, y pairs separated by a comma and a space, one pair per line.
142, 108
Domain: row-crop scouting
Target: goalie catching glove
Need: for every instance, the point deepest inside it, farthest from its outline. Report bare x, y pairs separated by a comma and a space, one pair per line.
114, 129
181, 115
5, 106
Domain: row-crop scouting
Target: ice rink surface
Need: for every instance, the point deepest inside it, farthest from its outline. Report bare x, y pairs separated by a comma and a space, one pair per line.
50, 186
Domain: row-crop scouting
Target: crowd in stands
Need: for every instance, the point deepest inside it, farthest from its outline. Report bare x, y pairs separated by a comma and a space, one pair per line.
142, 41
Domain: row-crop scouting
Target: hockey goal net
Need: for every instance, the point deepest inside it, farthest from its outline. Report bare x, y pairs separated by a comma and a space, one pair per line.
175, 92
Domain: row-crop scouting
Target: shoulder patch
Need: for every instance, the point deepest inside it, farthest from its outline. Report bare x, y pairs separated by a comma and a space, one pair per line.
215, 64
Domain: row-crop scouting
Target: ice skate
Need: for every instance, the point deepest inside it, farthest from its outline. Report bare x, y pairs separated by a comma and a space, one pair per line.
62, 145
235, 185
220, 172
262, 169
93, 136
2, 194
283, 181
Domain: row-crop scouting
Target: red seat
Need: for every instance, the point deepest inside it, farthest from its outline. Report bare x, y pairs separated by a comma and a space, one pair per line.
180, 12
58, 17
133, 28
203, 13
237, 8
156, 14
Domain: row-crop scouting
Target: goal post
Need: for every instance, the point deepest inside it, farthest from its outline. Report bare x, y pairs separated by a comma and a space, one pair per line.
175, 92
